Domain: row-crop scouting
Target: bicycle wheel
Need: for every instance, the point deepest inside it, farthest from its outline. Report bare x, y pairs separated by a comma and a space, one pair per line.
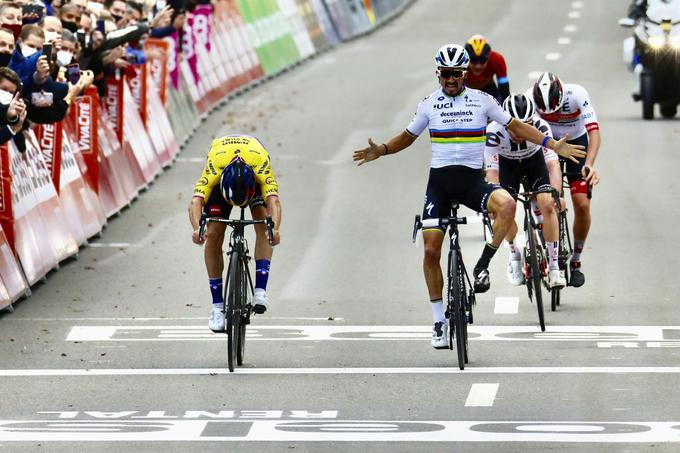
458, 310
232, 319
536, 275
242, 313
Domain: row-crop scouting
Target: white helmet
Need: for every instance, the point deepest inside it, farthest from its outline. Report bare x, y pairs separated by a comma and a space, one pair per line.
452, 56
520, 107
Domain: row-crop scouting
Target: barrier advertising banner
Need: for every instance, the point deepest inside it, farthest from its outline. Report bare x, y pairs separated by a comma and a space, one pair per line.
50, 140
157, 55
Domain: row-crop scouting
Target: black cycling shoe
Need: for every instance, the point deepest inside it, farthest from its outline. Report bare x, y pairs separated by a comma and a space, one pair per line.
482, 281
259, 309
576, 279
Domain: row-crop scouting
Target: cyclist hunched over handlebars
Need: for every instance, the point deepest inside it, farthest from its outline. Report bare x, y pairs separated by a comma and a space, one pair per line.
240, 168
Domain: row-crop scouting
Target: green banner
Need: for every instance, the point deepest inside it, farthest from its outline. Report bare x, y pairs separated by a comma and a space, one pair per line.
270, 33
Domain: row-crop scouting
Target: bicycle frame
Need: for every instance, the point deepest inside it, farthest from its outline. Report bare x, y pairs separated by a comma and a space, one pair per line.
535, 258
459, 301
238, 287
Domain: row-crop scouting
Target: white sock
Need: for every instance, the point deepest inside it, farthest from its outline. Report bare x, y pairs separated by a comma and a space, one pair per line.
438, 310
553, 252
515, 255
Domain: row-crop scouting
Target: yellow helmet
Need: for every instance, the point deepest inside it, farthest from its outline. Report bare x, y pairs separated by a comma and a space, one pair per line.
478, 48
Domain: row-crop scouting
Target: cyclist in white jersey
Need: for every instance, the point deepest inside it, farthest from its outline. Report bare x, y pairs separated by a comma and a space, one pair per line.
457, 117
570, 113
514, 160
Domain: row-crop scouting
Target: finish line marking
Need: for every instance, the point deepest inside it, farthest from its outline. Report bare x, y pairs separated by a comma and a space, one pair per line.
164, 430
605, 336
335, 371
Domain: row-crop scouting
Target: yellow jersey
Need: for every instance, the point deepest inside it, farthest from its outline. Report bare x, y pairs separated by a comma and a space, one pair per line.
223, 151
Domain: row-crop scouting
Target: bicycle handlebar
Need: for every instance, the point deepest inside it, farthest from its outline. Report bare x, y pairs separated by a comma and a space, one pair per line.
204, 222
429, 223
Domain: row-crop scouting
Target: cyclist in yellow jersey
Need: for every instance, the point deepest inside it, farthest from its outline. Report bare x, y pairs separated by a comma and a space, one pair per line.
238, 172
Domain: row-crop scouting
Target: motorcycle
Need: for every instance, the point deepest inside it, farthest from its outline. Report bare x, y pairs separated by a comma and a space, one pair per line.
653, 53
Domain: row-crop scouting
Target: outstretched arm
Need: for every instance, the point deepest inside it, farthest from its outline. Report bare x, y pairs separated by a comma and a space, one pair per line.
392, 146
561, 147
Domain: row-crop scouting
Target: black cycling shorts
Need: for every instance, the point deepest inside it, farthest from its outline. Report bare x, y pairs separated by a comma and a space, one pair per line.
217, 206
573, 169
456, 183
533, 168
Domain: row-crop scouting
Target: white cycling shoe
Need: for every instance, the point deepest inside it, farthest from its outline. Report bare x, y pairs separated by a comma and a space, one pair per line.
440, 335
556, 279
216, 322
260, 301
514, 273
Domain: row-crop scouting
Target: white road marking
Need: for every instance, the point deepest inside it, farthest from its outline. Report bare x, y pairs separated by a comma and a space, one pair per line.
577, 5
506, 305
187, 318
564, 40
339, 431
601, 334
570, 28
481, 395
533, 75
574, 14
553, 56
75, 372
193, 160
118, 245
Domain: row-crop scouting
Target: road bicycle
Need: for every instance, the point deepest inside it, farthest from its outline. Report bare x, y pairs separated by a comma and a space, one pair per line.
459, 297
566, 246
535, 257
238, 284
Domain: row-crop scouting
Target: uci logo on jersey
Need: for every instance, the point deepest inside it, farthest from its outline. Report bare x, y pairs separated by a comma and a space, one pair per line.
441, 98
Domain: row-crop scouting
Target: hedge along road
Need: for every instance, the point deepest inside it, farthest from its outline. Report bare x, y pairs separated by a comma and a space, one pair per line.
133, 310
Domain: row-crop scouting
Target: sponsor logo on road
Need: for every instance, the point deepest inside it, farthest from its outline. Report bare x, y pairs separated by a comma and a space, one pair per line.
604, 336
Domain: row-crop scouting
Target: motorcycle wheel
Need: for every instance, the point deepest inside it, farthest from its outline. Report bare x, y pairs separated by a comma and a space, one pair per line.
647, 95
669, 109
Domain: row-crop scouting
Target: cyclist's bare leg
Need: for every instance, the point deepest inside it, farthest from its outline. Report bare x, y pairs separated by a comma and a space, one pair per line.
581, 216
555, 175
212, 253
433, 240
512, 232
263, 251
503, 206
546, 204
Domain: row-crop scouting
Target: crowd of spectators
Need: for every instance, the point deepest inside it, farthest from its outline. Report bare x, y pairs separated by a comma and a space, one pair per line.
51, 51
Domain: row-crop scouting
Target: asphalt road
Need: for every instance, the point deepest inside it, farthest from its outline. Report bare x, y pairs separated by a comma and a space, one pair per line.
113, 353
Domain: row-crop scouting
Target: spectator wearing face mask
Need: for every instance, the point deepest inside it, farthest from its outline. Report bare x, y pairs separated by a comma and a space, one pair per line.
52, 28
118, 10
10, 18
27, 51
12, 107
69, 15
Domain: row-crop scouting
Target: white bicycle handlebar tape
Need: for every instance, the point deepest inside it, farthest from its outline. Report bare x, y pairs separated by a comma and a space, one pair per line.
429, 223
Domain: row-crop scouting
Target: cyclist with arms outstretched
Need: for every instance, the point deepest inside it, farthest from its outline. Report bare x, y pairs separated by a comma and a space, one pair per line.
457, 118
238, 173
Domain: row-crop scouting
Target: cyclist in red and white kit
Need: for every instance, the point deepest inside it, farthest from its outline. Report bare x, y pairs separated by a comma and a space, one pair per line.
570, 113
485, 64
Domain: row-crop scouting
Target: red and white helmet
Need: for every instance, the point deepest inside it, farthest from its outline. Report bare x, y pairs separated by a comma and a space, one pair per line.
548, 93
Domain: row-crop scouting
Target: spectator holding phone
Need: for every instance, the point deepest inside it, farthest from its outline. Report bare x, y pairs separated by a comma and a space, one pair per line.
12, 106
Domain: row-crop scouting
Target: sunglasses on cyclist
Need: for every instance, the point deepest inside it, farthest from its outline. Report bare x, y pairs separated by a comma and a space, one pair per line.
447, 73
479, 60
